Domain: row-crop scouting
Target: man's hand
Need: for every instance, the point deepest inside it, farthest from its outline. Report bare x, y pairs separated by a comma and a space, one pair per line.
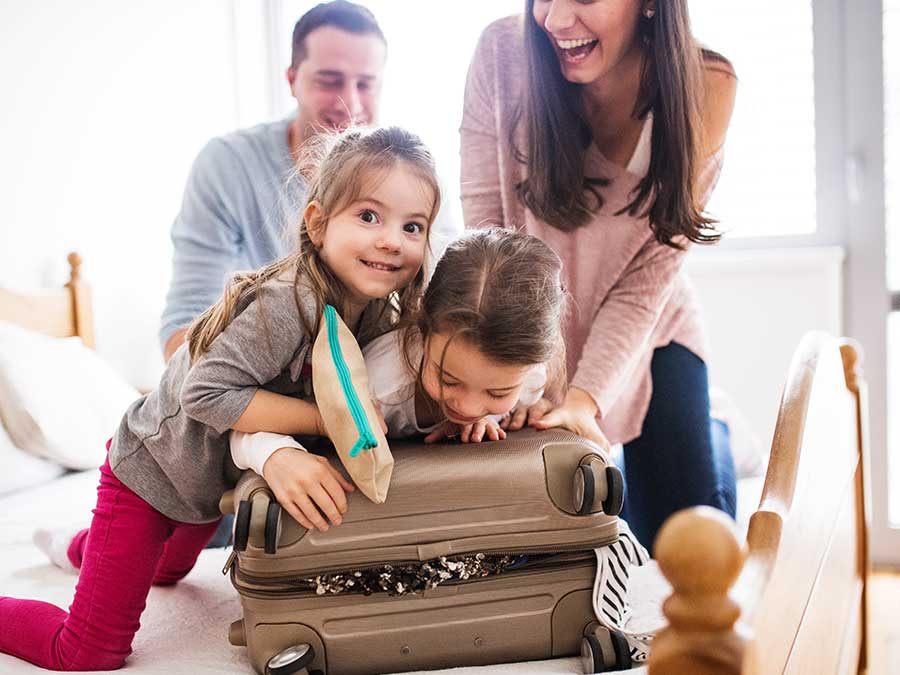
302, 482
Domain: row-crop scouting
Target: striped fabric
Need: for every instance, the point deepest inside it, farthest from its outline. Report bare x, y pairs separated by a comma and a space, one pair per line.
614, 563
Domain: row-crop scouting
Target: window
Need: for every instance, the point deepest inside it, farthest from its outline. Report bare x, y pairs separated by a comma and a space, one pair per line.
891, 56
768, 182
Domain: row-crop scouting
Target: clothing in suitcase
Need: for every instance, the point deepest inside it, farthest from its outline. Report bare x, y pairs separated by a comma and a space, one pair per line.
482, 553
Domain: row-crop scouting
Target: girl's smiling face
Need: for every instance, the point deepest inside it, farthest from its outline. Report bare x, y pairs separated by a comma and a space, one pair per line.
376, 245
466, 383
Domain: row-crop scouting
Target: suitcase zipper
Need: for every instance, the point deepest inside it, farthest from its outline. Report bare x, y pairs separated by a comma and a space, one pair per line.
281, 585
530, 550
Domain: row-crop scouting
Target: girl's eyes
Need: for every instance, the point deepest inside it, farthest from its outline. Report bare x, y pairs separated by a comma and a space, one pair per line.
491, 394
368, 216
414, 228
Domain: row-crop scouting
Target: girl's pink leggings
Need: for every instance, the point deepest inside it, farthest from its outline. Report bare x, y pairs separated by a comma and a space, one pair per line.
129, 547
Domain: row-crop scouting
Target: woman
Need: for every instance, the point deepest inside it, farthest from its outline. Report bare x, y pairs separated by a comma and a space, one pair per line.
598, 127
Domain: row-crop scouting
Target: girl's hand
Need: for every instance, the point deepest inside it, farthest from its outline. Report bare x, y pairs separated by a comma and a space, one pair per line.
524, 415
301, 482
485, 428
442, 431
578, 414
470, 433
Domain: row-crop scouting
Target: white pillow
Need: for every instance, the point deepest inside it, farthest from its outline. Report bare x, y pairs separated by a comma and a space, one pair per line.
19, 470
58, 399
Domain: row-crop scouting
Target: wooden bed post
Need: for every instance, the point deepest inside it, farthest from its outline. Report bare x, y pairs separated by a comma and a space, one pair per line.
82, 314
699, 552
852, 358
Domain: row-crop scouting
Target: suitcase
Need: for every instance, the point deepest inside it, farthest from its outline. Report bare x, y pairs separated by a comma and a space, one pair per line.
543, 500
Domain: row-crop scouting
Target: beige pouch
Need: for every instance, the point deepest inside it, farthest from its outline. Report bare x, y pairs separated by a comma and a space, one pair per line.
341, 386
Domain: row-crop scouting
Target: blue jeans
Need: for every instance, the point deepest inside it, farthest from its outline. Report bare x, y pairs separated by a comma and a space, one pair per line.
682, 458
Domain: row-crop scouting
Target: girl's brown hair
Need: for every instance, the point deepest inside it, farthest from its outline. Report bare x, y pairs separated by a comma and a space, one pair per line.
556, 188
500, 291
338, 170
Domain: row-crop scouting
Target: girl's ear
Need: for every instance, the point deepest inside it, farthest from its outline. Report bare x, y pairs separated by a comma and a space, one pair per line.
314, 218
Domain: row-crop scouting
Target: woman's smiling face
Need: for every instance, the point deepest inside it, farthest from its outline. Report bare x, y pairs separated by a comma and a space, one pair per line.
466, 383
591, 38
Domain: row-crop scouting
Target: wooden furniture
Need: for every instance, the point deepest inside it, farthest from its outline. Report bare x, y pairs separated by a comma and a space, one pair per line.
792, 598
61, 313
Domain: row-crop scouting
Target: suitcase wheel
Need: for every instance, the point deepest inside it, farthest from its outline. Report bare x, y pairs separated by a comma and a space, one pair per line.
273, 513
242, 526
605, 650
585, 489
615, 492
292, 660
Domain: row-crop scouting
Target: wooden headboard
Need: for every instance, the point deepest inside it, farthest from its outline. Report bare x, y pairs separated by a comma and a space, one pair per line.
793, 597
65, 312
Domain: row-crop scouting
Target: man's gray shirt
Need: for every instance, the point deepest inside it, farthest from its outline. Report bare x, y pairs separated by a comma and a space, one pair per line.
239, 212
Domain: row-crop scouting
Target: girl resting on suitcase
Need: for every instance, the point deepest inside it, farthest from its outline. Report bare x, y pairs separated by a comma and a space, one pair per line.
363, 238
486, 340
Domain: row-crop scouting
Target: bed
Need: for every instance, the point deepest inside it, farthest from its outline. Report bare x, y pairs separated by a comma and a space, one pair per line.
783, 591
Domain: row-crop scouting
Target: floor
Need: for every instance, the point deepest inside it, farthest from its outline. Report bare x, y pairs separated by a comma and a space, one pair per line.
884, 599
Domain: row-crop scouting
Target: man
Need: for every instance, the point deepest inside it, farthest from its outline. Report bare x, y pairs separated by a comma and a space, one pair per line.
242, 195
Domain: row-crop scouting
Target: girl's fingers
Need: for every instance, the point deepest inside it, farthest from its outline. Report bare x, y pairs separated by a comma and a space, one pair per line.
339, 477
466, 433
296, 514
331, 485
442, 431
312, 513
477, 434
501, 434
518, 419
325, 503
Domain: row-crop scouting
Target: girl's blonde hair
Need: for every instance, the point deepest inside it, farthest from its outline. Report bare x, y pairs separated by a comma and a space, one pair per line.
338, 168
501, 292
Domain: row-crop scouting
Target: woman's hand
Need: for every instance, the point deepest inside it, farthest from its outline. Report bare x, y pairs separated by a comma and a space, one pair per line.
578, 414
524, 415
301, 482
469, 433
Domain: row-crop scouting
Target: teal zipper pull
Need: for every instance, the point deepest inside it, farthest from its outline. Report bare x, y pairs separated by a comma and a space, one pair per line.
366, 440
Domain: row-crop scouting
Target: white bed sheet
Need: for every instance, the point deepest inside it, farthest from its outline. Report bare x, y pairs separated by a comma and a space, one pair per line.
184, 627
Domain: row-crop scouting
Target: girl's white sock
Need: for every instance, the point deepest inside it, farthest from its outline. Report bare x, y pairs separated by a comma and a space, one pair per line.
55, 545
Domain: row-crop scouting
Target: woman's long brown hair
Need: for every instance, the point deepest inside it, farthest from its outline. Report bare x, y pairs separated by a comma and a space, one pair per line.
338, 169
556, 188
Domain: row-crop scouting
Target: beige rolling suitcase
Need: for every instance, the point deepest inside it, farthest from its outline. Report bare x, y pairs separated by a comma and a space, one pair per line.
484, 554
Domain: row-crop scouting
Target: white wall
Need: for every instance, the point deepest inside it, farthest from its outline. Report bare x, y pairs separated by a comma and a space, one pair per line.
758, 304
105, 105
